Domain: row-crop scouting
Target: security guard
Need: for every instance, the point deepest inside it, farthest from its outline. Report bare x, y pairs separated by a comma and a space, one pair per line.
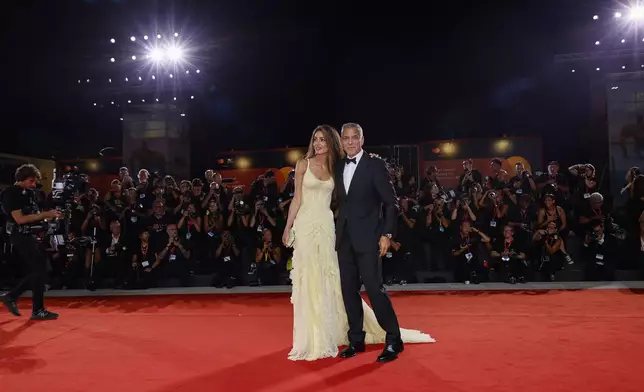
19, 203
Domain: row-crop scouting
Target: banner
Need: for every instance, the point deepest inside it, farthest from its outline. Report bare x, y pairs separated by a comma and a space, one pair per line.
448, 156
625, 114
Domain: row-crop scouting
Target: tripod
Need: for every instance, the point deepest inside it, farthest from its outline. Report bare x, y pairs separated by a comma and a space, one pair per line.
91, 284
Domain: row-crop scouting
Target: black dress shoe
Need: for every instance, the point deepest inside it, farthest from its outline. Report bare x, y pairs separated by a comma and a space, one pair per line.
390, 353
10, 304
352, 350
43, 315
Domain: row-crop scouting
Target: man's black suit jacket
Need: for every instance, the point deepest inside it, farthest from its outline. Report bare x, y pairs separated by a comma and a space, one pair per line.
370, 209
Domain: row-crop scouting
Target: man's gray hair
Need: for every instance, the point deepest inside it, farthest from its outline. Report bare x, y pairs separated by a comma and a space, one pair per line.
355, 126
596, 197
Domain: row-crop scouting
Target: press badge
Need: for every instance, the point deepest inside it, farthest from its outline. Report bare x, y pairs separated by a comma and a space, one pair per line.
389, 255
441, 229
134, 219
519, 191
599, 257
265, 198
493, 223
260, 228
188, 236
145, 264
173, 257
211, 234
505, 258
227, 258
586, 195
468, 256
142, 196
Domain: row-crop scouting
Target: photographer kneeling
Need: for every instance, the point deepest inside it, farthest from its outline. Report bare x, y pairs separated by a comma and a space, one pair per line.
551, 254
600, 254
19, 204
511, 253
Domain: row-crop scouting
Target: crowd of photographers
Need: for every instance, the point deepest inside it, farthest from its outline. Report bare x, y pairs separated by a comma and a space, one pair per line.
514, 228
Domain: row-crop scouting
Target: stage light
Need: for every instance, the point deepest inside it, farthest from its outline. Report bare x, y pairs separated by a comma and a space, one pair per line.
159, 36
623, 40
595, 17
132, 38
618, 15
112, 59
133, 57
145, 37
176, 34
597, 42
174, 53
129, 101
157, 54
636, 13
112, 40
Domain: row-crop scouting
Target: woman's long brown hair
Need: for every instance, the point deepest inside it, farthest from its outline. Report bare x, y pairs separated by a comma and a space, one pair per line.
333, 143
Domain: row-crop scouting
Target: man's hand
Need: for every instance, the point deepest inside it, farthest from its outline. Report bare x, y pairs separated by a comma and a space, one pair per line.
384, 245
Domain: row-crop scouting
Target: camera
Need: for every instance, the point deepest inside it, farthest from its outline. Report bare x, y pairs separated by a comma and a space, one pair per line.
70, 184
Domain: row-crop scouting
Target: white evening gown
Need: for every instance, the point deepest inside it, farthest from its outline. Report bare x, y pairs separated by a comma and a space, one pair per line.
319, 318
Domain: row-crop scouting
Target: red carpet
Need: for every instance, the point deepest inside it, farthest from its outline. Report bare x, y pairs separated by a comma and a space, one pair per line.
542, 342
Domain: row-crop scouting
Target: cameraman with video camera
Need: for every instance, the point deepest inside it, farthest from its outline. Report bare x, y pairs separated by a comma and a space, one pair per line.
19, 204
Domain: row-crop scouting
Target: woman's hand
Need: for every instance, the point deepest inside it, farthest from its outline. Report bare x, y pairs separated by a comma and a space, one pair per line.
285, 236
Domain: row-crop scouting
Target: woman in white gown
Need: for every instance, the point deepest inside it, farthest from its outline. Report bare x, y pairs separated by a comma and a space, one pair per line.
319, 319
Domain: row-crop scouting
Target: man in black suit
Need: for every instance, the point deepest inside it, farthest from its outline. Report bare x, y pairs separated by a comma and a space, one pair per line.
363, 235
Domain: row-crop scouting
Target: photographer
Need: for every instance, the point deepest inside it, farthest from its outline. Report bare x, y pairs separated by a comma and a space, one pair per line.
227, 258
466, 252
509, 255
143, 259
523, 182
587, 184
19, 204
463, 210
267, 260
550, 246
174, 257
469, 177
262, 219
600, 253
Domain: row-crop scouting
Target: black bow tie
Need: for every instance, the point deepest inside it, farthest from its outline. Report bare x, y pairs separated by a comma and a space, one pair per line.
350, 160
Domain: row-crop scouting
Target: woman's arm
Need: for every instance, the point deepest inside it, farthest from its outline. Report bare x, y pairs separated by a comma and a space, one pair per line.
300, 168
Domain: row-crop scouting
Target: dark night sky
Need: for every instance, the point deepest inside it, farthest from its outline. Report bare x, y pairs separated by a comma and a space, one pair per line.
405, 72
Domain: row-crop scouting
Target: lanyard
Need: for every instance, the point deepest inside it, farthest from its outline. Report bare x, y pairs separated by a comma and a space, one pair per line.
507, 245
144, 250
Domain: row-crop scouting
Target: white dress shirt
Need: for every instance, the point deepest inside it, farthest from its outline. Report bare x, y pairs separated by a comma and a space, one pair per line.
350, 169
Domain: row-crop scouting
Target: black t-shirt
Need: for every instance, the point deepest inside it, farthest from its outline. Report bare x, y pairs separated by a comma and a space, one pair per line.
16, 198
514, 247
